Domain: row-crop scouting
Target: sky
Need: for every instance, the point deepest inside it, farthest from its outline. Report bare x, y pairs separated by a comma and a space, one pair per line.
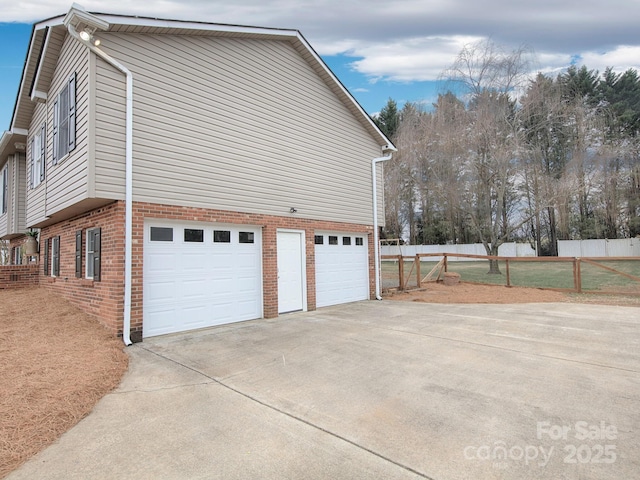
379, 49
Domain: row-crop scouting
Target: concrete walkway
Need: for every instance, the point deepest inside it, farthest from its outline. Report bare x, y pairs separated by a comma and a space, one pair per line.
373, 390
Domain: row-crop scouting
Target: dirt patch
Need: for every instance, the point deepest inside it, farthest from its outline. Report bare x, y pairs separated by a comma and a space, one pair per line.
473, 293
57, 362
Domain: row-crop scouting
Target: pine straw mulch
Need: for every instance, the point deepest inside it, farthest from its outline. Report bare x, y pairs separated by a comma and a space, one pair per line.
56, 363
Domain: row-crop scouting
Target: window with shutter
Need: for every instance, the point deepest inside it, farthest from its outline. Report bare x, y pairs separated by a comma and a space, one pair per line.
38, 157
79, 253
64, 121
43, 150
55, 257
93, 253
4, 194
46, 256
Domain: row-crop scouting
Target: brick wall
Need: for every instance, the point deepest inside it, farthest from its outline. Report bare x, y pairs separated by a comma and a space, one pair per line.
19, 276
105, 298
270, 225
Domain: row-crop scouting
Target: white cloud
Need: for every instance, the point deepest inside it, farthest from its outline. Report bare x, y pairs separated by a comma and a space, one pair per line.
411, 59
405, 40
621, 58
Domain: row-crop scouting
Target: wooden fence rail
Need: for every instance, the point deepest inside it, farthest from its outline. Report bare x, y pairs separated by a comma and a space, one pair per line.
443, 265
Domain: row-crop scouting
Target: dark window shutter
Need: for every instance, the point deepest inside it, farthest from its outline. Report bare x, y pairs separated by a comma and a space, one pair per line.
56, 140
72, 112
46, 256
43, 150
96, 255
79, 254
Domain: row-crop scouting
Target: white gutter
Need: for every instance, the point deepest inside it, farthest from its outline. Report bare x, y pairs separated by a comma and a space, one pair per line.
128, 231
376, 240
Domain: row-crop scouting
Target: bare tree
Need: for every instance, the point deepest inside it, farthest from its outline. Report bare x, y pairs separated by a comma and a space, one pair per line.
490, 78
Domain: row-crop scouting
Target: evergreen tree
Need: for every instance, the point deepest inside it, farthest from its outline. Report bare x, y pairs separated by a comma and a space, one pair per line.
388, 119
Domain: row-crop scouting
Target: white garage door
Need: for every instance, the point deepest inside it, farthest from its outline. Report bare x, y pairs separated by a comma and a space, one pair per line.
200, 275
342, 268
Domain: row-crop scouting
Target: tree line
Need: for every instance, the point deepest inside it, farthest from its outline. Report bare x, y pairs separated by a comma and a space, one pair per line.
501, 156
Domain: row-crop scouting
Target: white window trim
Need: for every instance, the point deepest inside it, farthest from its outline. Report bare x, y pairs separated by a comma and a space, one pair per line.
67, 117
54, 241
36, 158
4, 190
89, 253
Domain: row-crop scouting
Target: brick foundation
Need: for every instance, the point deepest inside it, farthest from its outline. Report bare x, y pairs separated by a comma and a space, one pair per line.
105, 298
19, 276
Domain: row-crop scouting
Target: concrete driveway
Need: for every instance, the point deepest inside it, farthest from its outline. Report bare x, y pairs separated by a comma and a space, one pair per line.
373, 390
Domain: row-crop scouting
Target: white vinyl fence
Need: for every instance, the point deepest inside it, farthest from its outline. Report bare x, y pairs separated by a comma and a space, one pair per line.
622, 247
511, 249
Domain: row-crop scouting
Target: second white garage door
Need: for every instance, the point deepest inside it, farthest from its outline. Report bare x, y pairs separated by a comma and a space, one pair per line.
200, 275
342, 268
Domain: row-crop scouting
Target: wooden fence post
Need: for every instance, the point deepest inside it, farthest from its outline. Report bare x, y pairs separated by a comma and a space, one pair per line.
445, 262
418, 276
508, 275
577, 275
401, 272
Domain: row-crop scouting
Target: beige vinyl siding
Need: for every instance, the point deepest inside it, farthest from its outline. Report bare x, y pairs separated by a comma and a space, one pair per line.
5, 218
36, 197
12, 222
238, 124
19, 180
109, 132
67, 181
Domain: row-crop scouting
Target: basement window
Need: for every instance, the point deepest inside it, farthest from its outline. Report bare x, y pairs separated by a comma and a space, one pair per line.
93, 253
55, 256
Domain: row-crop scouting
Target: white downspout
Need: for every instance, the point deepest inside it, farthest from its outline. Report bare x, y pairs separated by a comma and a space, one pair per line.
128, 231
376, 240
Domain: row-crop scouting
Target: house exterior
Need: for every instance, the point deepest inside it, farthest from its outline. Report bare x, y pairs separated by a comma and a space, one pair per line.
184, 175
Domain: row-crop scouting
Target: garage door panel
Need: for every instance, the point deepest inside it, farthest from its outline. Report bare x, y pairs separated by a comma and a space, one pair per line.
190, 285
342, 271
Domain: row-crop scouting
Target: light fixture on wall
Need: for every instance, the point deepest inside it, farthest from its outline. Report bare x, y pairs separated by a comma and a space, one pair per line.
87, 36
293, 210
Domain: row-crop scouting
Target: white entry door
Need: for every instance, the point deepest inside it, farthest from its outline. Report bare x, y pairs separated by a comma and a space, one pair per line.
291, 272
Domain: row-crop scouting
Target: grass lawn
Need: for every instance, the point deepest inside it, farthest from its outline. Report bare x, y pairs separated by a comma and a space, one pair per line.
528, 274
